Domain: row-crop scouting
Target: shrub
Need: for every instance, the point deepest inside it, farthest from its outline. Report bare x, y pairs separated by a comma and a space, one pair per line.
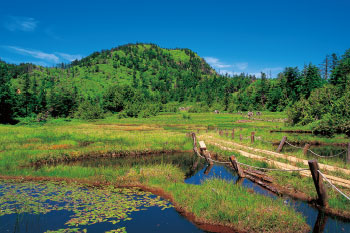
326, 126
149, 110
89, 111
170, 107
186, 116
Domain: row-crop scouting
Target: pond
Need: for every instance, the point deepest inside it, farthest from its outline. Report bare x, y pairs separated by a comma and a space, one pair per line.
56, 207
40, 207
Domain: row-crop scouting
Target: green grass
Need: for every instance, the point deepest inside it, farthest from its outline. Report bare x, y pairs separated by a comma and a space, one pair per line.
223, 201
23, 144
292, 180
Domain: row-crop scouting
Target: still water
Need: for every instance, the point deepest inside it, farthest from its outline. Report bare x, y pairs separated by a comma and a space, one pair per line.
49, 207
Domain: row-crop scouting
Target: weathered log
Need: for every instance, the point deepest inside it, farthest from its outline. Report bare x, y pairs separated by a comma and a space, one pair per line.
236, 166
207, 156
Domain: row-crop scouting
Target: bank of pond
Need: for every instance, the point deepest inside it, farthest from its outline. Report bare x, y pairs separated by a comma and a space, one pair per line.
30, 206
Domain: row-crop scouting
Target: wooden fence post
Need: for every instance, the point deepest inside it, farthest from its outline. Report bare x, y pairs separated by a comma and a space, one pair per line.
306, 148
252, 137
348, 154
320, 189
194, 140
240, 137
233, 134
284, 139
236, 166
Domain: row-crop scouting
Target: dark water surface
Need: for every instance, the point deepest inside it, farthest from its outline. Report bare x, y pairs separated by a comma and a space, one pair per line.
33, 207
21, 213
151, 220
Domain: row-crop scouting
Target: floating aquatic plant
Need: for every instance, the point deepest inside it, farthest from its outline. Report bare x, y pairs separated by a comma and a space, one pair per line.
88, 205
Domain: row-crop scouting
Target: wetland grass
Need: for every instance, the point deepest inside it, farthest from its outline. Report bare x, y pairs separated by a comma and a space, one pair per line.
214, 201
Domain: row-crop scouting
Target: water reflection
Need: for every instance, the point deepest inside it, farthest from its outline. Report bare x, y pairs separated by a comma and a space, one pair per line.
320, 222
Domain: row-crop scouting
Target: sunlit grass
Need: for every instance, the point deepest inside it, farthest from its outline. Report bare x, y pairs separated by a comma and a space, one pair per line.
21, 145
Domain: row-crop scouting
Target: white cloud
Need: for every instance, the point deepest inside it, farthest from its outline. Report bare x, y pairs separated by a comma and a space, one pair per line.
16, 23
70, 57
241, 65
35, 53
52, 58
216, 63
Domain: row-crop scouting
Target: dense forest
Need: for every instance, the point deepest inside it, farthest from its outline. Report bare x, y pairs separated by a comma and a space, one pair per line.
141, 80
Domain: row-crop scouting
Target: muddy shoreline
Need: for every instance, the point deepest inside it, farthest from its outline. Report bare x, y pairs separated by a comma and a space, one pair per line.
97, 155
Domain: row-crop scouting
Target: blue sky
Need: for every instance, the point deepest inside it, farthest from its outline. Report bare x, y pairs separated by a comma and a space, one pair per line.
233, 36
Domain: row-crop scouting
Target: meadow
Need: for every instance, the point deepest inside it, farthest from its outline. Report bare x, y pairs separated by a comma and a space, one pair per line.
32, 149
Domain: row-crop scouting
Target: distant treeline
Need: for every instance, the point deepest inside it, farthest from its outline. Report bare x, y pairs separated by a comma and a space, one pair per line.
141, 80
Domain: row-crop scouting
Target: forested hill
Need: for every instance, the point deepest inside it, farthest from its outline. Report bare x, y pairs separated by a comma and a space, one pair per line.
141, 80
132, 79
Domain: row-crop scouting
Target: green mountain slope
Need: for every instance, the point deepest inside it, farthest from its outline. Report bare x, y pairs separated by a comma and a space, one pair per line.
129, 79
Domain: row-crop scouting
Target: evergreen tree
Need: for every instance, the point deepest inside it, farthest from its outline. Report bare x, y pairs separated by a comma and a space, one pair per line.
310, 79
6, 96
340, 76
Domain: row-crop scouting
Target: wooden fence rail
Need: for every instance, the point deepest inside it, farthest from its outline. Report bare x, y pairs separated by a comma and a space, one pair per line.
322, 197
